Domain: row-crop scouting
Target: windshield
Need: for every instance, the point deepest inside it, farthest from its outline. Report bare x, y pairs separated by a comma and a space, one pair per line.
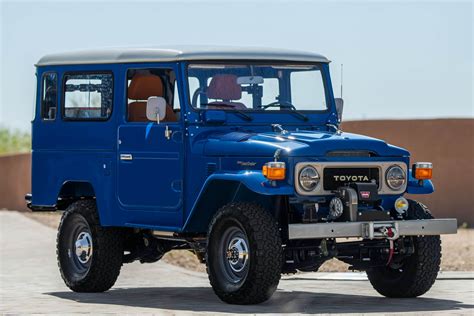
257, 87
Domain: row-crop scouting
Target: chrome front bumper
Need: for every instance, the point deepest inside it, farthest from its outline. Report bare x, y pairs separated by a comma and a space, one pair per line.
374, 230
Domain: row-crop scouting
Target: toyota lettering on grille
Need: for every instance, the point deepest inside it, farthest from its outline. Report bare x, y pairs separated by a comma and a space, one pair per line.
335, 177
352, 178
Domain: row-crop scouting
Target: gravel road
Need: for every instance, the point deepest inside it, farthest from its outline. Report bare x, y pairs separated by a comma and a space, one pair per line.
30, 283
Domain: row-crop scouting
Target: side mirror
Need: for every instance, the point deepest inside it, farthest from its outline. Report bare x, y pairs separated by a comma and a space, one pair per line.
155, 109
339, 108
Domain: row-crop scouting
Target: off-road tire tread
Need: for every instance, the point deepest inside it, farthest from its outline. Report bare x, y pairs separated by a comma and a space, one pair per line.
428, 260
107, 250
263, 234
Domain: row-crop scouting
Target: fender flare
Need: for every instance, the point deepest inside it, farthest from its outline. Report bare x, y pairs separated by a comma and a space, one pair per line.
229, 185
254, 181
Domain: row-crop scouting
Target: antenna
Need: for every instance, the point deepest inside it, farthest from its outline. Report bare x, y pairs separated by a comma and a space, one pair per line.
342, 76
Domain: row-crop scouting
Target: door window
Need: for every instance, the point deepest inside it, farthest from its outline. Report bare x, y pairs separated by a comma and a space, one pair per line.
49, 96
152, 82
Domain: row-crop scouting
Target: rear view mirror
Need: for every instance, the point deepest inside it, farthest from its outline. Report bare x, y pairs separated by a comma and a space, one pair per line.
250, 80
339, 108
155, 109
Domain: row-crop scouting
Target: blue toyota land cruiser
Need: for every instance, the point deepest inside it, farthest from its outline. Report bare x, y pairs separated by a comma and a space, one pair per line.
234, 154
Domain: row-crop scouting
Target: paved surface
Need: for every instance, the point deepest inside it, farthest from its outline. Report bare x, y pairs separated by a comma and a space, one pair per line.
30, 283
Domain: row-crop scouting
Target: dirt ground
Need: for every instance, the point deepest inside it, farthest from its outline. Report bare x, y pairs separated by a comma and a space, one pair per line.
457, 255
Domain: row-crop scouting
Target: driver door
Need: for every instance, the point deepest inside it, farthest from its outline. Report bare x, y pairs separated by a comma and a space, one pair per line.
150, 158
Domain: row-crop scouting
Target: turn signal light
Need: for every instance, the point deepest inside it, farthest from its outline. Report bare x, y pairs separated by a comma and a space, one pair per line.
423, 170
274, 170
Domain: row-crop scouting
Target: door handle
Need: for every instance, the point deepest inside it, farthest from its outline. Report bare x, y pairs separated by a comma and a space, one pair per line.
168, 132
126, 157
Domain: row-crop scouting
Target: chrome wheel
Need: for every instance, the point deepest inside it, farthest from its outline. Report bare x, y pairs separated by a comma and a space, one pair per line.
237, 254
83, 247
79, 242
234, 254
89, 255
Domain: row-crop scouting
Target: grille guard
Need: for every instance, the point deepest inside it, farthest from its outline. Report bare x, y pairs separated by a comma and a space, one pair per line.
373, 230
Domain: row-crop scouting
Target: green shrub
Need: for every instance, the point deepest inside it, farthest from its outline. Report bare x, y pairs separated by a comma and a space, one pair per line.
14, 141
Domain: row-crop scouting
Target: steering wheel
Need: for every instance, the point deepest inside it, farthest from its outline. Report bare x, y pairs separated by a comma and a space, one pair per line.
196, 94
280, 104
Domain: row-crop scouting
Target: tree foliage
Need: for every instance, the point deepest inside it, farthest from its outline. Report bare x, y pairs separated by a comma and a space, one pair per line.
14, 141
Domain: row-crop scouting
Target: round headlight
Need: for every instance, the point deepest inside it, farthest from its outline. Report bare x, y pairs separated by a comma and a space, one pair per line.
395, 177
308, 178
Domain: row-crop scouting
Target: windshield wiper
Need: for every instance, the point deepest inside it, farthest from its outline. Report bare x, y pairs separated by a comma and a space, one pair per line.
287, 106
299, 115
241, 113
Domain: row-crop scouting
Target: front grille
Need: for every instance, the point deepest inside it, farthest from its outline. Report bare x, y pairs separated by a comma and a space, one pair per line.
337, 177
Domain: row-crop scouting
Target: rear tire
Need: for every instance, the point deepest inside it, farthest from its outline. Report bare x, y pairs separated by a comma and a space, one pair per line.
419, 271
89, 255
244, 254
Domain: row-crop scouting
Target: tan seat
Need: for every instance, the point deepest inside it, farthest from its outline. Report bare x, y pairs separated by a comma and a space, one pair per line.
225, 88
141, 88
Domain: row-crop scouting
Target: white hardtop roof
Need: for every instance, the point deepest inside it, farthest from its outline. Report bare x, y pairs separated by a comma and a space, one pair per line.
154, 54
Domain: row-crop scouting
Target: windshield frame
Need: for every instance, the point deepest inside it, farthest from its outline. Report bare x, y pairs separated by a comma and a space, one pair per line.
324, 68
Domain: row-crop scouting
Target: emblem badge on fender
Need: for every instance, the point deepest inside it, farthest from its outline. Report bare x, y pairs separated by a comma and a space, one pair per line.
246, 163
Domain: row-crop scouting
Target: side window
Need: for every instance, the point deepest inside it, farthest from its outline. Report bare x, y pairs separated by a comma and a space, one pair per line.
144, 83
88, 96
49, 96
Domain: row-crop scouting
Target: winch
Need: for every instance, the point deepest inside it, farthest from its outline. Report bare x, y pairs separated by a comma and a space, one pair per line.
348, 202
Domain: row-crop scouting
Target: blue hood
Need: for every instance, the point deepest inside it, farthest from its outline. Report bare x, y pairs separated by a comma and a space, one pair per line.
295, 144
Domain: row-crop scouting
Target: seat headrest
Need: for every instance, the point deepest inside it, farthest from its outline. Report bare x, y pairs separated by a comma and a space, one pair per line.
144, 86
224, 87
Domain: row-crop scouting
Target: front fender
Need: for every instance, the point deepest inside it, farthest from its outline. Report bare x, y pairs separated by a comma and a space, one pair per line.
220, 189
414, 186
255, 182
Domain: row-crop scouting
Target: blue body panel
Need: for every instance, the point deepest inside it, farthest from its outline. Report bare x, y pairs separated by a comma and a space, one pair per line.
417, 187
161, 187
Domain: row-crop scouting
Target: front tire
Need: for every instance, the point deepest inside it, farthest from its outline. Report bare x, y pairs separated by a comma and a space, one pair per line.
418, 272
244, 254
89, 255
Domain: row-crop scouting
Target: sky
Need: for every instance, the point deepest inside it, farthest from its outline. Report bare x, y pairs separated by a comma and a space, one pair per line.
401, 59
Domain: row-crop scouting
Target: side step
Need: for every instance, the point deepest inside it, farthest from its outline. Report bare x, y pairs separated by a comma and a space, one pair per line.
38, 208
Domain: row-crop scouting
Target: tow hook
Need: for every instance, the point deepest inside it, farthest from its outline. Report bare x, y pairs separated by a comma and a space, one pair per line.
375, 230
390, 234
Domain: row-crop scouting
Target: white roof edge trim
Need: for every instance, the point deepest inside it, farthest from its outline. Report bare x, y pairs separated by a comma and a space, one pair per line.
144, 55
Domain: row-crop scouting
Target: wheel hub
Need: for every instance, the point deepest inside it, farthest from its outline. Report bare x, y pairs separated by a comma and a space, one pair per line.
237, 254
83, 247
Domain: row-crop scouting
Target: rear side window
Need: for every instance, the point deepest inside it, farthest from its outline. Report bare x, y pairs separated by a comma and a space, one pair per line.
88, 96
49, 96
